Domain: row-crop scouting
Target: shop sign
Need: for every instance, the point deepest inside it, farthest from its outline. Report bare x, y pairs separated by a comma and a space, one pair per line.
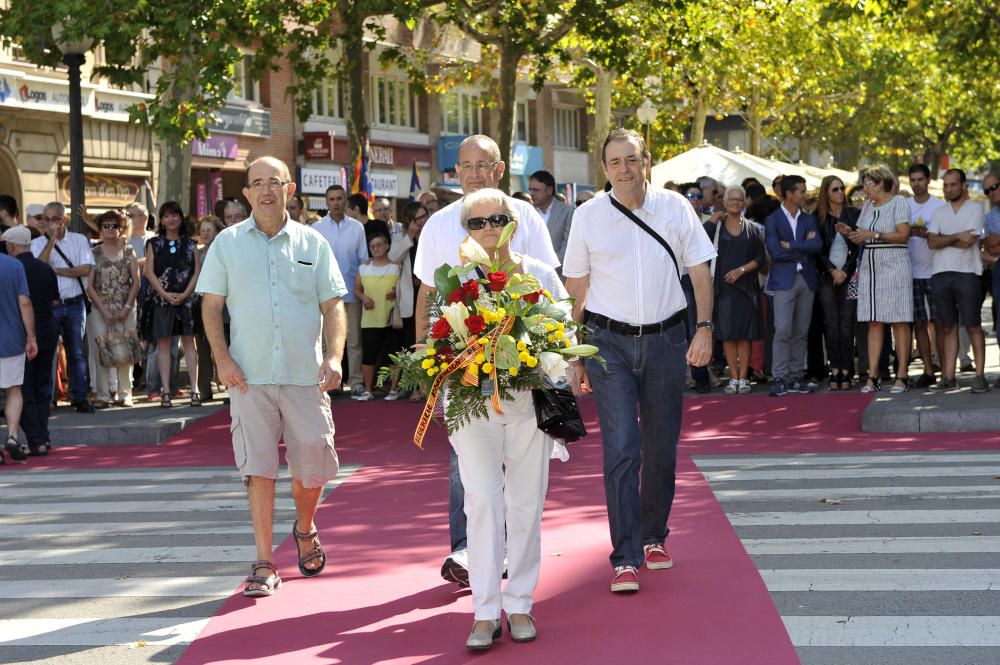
526, 159
104, 190
318, 145
315, 181
239, 120
217, 147
5, 91
382, 154
384, 184
110, 105
448, 152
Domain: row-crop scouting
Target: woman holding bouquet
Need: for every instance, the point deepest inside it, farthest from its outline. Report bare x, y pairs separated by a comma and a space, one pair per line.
503, 460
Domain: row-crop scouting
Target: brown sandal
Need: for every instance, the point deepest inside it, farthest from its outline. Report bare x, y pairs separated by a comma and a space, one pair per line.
269, 583
313, 554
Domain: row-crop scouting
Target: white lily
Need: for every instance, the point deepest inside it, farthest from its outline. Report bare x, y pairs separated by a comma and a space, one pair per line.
472, 252
455, 314
553, 365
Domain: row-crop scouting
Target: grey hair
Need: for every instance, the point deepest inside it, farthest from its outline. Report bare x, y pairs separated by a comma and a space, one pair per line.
494, 196
141, 208
734, 188
56, 206
234, 203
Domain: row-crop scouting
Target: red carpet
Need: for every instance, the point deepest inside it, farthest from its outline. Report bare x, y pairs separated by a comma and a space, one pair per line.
381, 598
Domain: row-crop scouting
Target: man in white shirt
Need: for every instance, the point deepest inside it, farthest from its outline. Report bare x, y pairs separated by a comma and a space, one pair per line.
479, 166
953, 235
557, 215
347, 238
70, 256
922, 207
630, 285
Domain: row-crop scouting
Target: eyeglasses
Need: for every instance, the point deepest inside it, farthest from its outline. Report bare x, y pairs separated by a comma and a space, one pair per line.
482, 167
495, 221
992, 188
270, 183
420, 218
46, 218
109, 227
695, 196
868, 183
836, 189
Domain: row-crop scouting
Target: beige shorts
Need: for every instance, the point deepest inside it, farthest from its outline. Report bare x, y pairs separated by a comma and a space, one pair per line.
299, 414
12, 371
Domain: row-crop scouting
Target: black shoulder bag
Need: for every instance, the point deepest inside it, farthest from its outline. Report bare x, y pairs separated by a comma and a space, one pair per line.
645, 227
557, 413
83, 289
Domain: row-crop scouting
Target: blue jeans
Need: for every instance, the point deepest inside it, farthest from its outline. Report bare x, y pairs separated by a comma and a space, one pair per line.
639, 402
70, 322
456, 505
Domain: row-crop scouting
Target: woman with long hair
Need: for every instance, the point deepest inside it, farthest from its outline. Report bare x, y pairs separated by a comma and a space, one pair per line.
172, 267
404, 251
836, 264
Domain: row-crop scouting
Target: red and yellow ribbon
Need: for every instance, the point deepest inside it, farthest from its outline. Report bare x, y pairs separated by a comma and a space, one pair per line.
462, 361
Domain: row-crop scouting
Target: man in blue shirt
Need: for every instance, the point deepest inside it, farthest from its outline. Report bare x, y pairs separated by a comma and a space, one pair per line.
17, 341
347, 238
281, 284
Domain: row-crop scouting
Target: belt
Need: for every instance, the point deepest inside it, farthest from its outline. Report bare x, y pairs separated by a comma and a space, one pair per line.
636, 331
71, 301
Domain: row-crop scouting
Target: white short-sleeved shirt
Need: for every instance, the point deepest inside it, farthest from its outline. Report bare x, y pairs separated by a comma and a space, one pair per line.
347, 238
443, 233
632, 278
945, 221
921, 256
77, 249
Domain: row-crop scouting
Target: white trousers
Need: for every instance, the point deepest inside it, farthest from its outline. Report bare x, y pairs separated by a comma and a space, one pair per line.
101, 377
504, 464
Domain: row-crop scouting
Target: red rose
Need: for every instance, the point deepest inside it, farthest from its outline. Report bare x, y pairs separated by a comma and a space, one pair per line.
471, 289
441, 329
458, 295
532, 297
476, 324
446, 353
497, 281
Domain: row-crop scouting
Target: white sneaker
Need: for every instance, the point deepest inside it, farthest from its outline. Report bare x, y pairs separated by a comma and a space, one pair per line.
393, 395
744, 388
732, 387
363, 396
456, 568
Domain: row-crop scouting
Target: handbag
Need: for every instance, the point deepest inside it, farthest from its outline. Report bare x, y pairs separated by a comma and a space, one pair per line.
120, 348
557, 413
396, 318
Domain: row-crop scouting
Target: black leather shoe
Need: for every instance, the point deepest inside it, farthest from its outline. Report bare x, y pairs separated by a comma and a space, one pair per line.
83, 407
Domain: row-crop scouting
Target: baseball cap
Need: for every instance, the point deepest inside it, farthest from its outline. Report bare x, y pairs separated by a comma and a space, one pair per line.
19, 235
34, 209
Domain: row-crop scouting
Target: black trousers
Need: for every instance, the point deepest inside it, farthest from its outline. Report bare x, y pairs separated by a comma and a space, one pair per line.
839, 315
37, 394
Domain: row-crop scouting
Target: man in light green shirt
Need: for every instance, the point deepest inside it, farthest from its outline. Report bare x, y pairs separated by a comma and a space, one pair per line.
282, 286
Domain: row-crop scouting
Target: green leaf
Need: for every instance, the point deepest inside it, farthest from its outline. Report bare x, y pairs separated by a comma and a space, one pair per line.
580, 350
444, 281
507, 353
507, 234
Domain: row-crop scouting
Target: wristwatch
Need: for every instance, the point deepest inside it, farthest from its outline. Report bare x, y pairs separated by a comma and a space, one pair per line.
878, 236
706, 324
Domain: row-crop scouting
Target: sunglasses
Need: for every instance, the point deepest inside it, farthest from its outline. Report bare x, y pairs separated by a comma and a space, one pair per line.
836, 189
495, 221
579, 203
108, 227
695, 196
992, 188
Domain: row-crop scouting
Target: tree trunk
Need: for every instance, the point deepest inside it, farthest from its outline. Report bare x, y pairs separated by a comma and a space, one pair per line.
698, 122
805, 147
175, 175
353, 75
602, 117
507, 85
754, 120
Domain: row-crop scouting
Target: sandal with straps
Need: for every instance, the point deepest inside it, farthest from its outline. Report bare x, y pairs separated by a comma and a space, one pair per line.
165, 400
313, 554
17, 452
267, 584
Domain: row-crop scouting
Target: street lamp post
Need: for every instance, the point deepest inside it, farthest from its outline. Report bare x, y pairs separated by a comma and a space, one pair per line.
646, 113
73, 56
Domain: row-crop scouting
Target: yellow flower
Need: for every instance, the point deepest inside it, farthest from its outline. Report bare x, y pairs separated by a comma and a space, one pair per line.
512, 371
501, 312
560, 325
432, 371
487, 368
431, 351
515, 296
483, 341
521, 346
444, 366
552, 338
549, 327
427, 363
480, 358
474, 368
523, 356
568, 343
547, 294
531, 361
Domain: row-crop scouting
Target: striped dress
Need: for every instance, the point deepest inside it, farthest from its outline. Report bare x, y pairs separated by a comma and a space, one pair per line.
885, 276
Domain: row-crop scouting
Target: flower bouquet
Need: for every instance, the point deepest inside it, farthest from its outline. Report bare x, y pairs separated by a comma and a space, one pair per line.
497, 331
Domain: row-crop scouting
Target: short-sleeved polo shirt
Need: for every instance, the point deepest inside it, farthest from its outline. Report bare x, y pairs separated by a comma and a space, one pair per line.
13, 285
273, 288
